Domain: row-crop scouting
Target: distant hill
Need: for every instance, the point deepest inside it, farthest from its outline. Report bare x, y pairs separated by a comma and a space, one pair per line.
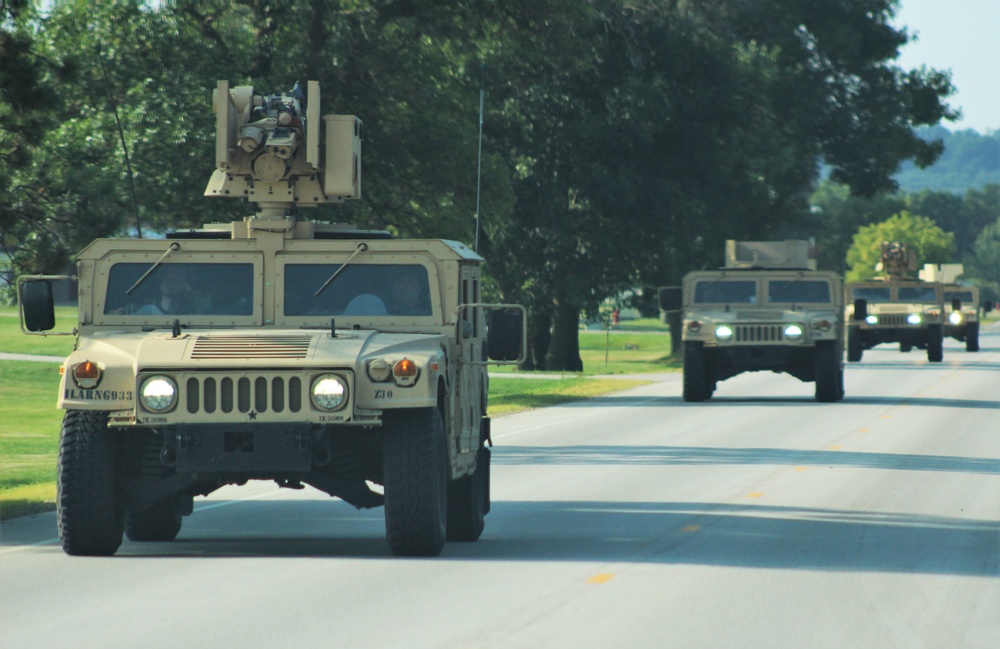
970, 161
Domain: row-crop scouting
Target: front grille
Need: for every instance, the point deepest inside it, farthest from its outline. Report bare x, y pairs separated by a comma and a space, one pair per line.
893, 320
209, 394
251, 347
759, 333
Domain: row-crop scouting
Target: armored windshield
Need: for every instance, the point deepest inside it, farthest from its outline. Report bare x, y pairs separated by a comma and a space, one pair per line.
918, 294
180, 289
964, 296
873, 294
358, 290
725, 292
799, 291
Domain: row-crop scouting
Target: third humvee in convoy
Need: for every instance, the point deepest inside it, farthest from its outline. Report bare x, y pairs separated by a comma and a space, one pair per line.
276, 348
768, 308
961, 304
895, 307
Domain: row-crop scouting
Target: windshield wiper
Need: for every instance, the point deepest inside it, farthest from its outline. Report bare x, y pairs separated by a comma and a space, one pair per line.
173, 247
361, 248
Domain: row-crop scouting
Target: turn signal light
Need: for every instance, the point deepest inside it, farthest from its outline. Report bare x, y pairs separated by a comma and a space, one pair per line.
87, 375
405, 367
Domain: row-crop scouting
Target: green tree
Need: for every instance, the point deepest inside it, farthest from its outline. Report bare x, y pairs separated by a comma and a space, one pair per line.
931, 244
984, 266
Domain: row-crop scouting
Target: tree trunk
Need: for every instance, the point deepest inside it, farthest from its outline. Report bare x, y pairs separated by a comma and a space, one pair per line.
539, 337
564, 350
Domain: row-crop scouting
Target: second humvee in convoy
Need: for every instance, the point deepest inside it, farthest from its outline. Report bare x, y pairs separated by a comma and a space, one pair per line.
768, 308
276, 348
895, 307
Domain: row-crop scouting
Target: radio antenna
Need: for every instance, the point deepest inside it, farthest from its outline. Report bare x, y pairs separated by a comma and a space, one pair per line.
121, 138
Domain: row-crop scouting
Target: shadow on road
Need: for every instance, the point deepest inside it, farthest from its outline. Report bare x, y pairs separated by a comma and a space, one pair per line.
667, 533
700, 455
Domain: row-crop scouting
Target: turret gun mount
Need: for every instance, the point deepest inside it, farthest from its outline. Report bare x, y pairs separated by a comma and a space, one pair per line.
268, 150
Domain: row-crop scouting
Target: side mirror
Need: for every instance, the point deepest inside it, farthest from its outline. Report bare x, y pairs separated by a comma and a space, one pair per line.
860, 308
670, 298
506, 328
987, 307
37, 305
956, 304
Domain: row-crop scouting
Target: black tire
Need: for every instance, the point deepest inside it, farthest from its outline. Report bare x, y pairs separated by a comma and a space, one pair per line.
89, 503
827, 372
161, 522
972, 337
905, 347
696, 380
854, 350
468, 501
935, 344
416, 482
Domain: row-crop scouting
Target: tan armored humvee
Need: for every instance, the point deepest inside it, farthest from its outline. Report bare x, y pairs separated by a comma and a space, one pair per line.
961, 304
767, 309
280, 349
895, 308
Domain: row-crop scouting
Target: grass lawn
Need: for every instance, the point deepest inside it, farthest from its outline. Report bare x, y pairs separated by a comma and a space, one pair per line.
29, 437
12, 339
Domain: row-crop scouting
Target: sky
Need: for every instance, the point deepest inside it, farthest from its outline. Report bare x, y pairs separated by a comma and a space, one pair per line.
960, 36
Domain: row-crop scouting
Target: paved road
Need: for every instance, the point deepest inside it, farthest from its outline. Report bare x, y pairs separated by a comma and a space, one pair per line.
759, 519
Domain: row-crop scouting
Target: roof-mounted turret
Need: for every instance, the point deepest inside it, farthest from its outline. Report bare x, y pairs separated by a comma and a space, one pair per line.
896, 262
268, 150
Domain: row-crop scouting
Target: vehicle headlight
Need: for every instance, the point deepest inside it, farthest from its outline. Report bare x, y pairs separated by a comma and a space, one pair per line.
158, 394
724, 332
913, 319
329, 392
872, 319
793, 332
955, 318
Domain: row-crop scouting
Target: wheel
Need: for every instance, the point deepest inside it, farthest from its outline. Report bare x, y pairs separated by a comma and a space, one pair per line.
828, 372
854, 350
905, 347
161, 522
89, 505
695, 374
972, 337
935, 344
468, 501
416, 482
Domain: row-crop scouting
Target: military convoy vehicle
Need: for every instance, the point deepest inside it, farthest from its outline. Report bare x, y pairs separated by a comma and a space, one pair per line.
276, 348
961, 304
895, 308
768, 308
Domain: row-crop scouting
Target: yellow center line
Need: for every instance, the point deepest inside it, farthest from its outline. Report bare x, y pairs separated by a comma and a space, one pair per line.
691, 528
601, 578
755, 494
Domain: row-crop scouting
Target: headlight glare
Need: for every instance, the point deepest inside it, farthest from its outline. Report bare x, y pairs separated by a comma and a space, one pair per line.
913, 319
329, 392
158, 394
793, 332
724, 332
872, 319
955, 318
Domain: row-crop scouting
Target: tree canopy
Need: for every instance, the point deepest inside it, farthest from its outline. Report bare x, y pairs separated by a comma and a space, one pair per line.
623, 142
931, 244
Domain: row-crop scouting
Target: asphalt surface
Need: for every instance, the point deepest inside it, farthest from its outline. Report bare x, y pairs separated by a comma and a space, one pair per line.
761, 518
